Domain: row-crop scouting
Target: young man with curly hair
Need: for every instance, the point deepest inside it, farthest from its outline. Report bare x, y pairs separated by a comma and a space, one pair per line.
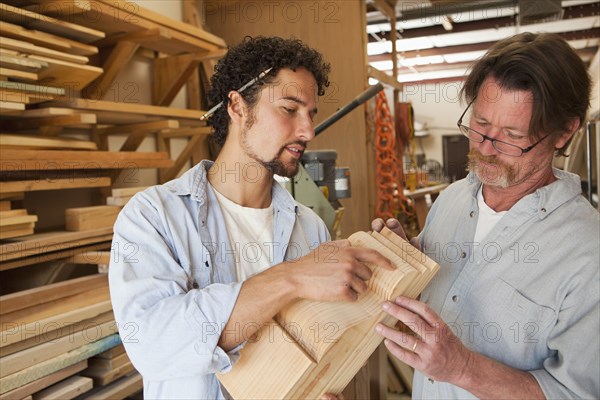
222, 249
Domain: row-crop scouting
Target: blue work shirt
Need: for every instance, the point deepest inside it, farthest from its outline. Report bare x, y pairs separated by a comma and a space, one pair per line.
173, 283
528, 294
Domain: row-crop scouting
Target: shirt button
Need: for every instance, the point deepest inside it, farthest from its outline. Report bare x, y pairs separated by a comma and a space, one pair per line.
455, 298
463, 254
472, 214
430, 380
195, 285
543, 210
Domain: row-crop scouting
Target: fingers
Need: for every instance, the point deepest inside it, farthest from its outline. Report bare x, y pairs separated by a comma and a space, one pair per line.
417, 308
394, 225
365, 255
377, 224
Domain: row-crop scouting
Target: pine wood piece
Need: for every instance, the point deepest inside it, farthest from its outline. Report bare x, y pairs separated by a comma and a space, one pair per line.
47, 317
59, 334
18, 75
47, 40
65, 73
47, 160
41, 112
112, 110
92, 257
31, 297
44, 382
40, 142
103, 376
20, 62
119, 389
8, 105
48, 367
33, 20
16, 232
127, 192
141, 127
112, 353
337, 337
5, 205
25, 47
53, 184
48, 241
94, 217
109, 364
17, 220
66, 390
117, 201
74, 120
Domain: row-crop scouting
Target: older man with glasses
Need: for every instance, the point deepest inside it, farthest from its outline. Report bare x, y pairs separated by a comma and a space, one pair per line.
514, 310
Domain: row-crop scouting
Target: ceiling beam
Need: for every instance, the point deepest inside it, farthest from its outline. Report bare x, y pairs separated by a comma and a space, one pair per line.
569, 36
585, 10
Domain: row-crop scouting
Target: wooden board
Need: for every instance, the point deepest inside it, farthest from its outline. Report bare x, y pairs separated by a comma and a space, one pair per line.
58, 335
46, 40
21, 63
83, 120
104, 376
65, 73
33, 20
100, 258
31, 297
53, 184
7, 105
18, 75
112, 353
44, 382
109, 112
337, 338
94, 217
35, 160
43, 142
66, 390
119, 389
27, 48
109, 363
48, 367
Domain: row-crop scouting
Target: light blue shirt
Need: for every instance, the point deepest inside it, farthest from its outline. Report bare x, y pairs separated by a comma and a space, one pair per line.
173, 283
528, 294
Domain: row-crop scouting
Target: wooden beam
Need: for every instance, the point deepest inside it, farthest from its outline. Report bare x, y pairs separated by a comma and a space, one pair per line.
28, 48
118, 58
59, 120
33, 20
384, 78
141, 127
93, 217
385, 8
119, 389
41, 142
67, 389
53, 184
133, 141
36, 160
184, 132
182, 158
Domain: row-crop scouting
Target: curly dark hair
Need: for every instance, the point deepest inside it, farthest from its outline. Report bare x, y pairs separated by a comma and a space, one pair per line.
247, 60
546, 65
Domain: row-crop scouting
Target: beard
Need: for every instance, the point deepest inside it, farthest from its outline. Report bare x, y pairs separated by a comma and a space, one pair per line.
493, 172
276, 165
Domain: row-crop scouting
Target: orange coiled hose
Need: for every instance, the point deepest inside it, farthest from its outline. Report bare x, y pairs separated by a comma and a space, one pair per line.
388, 177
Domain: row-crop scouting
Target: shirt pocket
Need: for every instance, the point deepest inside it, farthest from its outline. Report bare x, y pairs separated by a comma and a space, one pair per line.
523, 327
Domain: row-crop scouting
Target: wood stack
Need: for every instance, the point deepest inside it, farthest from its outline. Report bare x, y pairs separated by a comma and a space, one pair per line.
120, 197
48, 334
312, 348
15, 223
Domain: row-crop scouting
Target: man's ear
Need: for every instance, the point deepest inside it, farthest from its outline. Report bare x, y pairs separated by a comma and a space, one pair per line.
563, 139
235, 107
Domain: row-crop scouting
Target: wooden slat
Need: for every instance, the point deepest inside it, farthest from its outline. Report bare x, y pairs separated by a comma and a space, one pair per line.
25, 47
53, 184
16, 220
93, 217
47, 40
109, 363
32, 297
104, 376
7, 105
18, 75
66, 390
28, 160
5, 205
65, 73
74, 120
32, 88
92, 257
32, 20
129, 108
21, 63
119, 389
41, 142
112, 353
48, 241
48, 367
141, 127
44, 382
127, 192
112, 66
384, 78
74, 329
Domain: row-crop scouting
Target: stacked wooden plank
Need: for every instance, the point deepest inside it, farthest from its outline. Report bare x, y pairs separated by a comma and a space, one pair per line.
15, 223
121, 196
47, 335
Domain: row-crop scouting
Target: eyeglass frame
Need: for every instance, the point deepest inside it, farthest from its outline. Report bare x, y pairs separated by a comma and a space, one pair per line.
494, 141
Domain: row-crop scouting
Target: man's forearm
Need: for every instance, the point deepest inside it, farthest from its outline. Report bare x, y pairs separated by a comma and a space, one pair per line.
488, 379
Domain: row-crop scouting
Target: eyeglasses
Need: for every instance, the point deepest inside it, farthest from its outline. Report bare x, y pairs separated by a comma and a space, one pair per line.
502, 147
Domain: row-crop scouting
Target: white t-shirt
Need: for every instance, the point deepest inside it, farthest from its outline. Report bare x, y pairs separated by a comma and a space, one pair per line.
488, 218
250, 235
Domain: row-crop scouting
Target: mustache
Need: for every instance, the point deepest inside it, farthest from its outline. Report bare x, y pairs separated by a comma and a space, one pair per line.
476, 156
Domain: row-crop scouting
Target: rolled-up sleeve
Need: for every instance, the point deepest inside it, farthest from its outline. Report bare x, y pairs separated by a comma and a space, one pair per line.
169, 329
